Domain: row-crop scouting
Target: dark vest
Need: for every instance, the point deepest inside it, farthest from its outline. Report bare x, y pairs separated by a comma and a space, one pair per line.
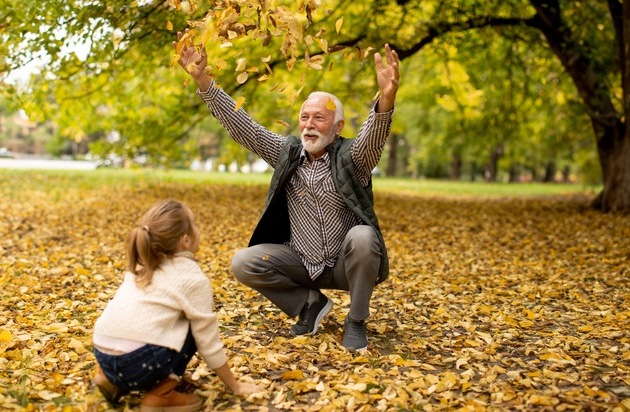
274, 227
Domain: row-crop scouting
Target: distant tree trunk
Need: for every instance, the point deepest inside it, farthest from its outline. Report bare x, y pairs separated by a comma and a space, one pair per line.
473, 171
493, 166
550, 172
456, 167
392, 160
566, 174
514, 174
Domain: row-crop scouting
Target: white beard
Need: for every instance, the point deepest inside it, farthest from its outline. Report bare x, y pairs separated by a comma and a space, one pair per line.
319, 144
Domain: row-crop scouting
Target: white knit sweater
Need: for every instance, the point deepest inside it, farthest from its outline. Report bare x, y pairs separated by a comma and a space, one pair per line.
179, 296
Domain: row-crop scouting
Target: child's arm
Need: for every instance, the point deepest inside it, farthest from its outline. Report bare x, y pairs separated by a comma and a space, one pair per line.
239, 388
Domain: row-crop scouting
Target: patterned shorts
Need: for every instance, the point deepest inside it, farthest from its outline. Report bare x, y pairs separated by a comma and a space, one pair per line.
147, 366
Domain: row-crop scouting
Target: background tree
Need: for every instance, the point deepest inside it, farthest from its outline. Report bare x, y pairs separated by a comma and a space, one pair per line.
505, 86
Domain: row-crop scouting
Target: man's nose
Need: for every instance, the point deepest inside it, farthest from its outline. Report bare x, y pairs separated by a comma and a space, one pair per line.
309, 123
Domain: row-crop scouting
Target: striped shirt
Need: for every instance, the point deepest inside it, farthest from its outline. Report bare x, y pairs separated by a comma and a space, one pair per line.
318, 215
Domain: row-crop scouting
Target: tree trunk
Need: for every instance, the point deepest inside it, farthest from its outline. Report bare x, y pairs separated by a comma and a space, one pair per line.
613, 145
550, 172
456, 167
473, 171
493, 166
566, 174
392, 160
514, 174
613, 141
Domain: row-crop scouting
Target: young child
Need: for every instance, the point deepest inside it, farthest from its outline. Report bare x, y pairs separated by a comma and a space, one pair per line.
161, 315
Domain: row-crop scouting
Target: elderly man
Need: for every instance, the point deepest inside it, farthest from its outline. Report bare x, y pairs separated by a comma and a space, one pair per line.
318, 229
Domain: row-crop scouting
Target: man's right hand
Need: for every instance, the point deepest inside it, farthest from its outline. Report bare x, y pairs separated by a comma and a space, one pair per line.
193, 59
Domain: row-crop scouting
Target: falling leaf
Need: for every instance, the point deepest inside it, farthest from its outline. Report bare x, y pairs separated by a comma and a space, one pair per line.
241, 64
330, 105
242, 78
239, 103
338, 25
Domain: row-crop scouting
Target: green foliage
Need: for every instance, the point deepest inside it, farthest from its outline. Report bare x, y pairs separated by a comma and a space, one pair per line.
464, 94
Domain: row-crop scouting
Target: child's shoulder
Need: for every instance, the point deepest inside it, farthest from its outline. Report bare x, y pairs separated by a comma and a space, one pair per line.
185, 267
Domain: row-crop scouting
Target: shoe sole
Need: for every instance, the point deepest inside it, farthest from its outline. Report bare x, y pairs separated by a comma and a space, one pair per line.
321, 315
356, 349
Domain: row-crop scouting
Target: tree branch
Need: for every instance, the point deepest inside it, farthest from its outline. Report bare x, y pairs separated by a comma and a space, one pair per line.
451, 27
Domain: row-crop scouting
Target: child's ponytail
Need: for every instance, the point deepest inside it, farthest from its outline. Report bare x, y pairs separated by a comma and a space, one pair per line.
157, 237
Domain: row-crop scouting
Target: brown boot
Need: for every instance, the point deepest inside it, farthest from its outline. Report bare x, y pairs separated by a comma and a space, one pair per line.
110, 391
164, 398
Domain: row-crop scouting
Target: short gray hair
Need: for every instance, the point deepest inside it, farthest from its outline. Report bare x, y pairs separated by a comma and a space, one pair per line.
339, 113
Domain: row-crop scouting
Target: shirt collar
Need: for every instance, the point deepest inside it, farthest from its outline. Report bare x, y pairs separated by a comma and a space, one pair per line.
304, 155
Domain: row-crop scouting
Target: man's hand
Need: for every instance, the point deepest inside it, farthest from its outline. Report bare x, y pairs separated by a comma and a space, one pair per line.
388, 78
193, 59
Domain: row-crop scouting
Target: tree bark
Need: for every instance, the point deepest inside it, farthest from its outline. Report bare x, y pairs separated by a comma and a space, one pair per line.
550, 172
613, 140
392, 159
456, 167
614, 156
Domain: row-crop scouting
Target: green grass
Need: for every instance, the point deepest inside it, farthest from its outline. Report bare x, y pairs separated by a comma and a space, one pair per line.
49, 181
482, 189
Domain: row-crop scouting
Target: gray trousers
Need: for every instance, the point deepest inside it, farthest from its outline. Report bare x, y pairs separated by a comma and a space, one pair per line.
277, 272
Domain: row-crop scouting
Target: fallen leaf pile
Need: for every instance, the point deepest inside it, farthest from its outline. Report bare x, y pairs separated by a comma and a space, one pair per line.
503, 304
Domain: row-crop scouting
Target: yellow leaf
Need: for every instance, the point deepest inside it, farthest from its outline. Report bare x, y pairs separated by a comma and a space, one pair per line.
542, 400
293, 375
526, 324
338, 25
185, 7
551, 356
169, 26
47, 395
206, 35
330, 105
460, 362
220, 64
55, 328
241, 64
5, 336
242, 78
323, 44
239, 103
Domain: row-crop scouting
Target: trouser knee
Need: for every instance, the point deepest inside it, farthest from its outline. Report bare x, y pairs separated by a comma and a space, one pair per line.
241, 266
363, 243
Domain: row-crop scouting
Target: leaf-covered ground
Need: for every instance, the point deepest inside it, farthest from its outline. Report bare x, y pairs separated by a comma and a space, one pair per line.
518, 304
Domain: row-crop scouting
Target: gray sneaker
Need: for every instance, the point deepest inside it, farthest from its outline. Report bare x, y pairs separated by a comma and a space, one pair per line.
310, 316
354, 335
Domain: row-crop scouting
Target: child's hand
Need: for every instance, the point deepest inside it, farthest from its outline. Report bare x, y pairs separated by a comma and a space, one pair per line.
245, 388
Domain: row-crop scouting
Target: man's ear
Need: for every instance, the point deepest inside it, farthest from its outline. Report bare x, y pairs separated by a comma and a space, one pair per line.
340, 125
